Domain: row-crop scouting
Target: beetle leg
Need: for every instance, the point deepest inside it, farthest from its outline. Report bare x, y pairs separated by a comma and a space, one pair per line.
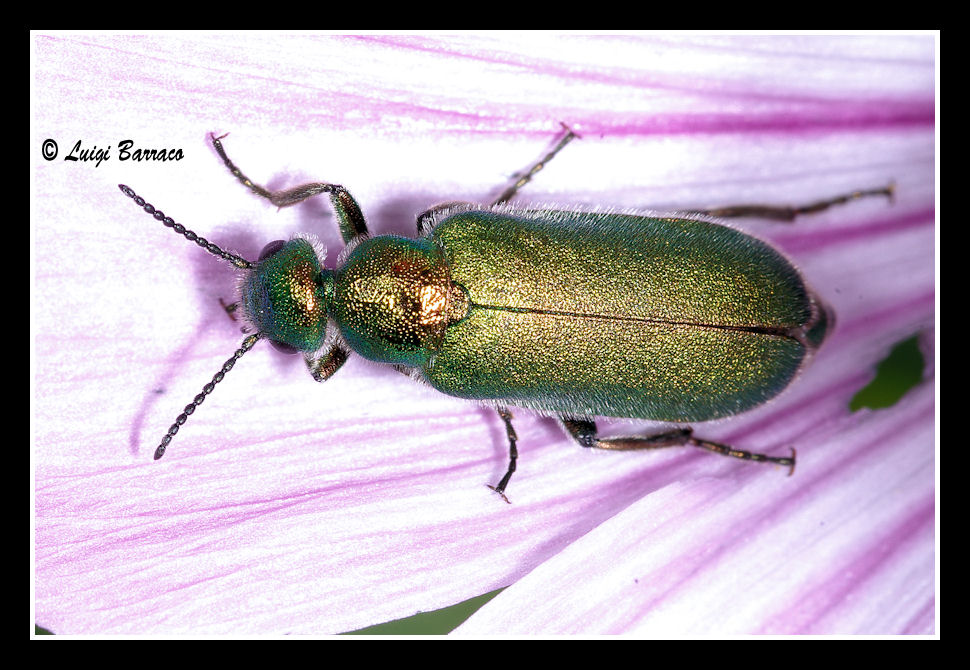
788, 213
324, 366
584, 432
349, 216
506, 416
524, 177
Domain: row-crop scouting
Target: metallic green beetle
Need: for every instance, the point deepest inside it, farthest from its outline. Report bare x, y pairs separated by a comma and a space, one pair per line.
569, 313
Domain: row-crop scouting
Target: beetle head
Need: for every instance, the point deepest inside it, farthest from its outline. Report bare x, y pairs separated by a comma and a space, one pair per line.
284, 297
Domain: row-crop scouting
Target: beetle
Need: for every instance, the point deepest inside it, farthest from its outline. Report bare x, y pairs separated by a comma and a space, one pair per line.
575, 314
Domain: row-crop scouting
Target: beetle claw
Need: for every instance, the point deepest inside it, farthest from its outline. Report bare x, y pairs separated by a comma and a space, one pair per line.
500, 493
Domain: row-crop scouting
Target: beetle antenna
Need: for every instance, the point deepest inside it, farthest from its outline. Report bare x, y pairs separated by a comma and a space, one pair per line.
237, 261
246, 345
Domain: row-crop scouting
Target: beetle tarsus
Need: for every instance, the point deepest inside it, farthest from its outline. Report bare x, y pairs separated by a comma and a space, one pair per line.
787, 214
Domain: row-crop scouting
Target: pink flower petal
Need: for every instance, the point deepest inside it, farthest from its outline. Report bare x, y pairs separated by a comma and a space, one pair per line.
285, 506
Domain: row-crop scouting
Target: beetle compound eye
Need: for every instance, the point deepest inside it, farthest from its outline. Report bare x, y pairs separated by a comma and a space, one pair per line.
271, 249
284, 348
